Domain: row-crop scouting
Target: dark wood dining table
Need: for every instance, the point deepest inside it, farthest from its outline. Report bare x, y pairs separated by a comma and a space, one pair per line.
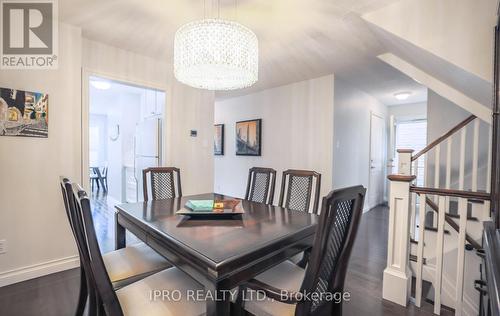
219, 253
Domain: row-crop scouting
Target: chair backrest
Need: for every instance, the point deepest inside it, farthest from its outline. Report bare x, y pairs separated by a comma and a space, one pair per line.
93, 260
260, 185
77, 229
297, 188
104, 172
338, 224
163, 183
64, 182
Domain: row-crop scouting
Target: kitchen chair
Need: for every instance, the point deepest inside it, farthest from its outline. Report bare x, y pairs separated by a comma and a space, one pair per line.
136, 298
260, 185
165, 183
285, 283
104, 176
94, 179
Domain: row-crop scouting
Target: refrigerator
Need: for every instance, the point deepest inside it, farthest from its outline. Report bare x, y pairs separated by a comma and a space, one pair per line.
147, 150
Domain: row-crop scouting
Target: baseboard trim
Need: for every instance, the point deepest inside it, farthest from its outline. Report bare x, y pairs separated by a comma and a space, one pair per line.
38, 270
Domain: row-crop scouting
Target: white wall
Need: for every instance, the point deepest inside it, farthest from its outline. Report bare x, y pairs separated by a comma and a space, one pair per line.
460, 32
32, 216
442, 116
297, 133
411, 111
117, 107
351, 154
186, 108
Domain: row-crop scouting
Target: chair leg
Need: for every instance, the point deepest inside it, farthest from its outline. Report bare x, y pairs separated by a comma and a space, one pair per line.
305, 258
93, 304
82, 297
100, 307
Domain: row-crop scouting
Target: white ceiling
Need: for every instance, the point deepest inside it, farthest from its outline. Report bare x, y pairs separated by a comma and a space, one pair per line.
298, 39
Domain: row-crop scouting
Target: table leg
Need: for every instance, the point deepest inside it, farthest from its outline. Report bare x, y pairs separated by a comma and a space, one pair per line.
220, 306
120, 241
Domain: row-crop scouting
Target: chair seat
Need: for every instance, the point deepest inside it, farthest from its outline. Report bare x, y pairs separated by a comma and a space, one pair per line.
138, 298
286, 276
132, 263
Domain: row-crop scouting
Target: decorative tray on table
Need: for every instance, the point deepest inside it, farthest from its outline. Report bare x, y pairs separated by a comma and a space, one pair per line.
215, 208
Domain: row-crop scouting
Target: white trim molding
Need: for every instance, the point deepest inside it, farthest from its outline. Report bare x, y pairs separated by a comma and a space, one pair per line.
38, 270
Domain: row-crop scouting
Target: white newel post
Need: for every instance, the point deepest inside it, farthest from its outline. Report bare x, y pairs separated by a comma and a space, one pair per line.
404, 161
397, 275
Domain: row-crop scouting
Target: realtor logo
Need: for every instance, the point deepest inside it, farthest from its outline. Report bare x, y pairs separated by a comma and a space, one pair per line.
29, 34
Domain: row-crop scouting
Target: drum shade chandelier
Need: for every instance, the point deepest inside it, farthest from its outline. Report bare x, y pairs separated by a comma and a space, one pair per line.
216, 54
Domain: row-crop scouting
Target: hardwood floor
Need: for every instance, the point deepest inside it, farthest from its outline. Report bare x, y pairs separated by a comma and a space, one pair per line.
103, 211
56, 294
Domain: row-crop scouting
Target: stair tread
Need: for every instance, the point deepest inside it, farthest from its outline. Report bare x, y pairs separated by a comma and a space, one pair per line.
413, 241
414, 259
469, 218
435, 229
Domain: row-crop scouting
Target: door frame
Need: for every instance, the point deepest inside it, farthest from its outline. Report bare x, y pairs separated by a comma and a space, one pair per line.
86, 74
382, 117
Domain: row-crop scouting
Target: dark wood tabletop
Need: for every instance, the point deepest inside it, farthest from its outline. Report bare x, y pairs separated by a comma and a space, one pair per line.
219, 253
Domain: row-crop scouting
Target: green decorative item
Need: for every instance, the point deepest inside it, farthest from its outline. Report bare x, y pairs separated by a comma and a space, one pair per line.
200, 205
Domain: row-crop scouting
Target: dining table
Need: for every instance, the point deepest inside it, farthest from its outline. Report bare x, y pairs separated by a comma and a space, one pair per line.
218, 252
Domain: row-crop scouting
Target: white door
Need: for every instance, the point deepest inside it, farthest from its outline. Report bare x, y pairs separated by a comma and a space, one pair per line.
376, 185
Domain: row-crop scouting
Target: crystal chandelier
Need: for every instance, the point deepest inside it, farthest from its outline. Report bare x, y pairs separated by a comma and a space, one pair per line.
216, 54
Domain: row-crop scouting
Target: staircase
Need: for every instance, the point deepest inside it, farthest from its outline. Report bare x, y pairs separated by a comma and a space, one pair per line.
435, 230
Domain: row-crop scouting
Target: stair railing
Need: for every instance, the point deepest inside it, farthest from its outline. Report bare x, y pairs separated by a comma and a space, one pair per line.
406, 196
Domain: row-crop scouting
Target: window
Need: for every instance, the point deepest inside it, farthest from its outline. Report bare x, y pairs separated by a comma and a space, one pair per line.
412, 135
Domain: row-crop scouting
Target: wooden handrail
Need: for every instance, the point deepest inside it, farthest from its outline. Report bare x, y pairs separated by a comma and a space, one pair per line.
449, 192
452, 223
452, 131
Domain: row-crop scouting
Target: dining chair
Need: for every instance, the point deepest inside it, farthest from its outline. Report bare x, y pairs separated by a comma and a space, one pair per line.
260, 185
94, 179
85, 283
124, 266
104, 176
165, 183
136, 298
286, 283
297, 189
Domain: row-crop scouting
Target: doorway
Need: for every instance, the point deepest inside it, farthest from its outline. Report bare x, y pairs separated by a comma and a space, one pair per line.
125, 124
376, 168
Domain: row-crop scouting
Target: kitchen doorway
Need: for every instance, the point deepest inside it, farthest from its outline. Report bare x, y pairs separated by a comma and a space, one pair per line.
125, 136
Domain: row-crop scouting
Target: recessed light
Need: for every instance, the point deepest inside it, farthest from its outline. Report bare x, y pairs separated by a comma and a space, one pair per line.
402, 95
100, 84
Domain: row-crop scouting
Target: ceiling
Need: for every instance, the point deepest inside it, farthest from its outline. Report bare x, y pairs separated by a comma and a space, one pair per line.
298, 39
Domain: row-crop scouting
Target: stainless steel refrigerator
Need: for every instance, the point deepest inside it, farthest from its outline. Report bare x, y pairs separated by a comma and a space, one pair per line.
147, 150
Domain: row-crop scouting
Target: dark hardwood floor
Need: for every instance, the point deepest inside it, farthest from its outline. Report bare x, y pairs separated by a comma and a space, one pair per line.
56, 294
103, 213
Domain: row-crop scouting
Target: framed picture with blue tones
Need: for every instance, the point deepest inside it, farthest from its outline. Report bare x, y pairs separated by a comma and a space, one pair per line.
248, 138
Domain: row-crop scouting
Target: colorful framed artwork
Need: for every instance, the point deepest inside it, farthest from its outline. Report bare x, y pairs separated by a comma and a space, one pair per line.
24, 113
248, 138
219, 140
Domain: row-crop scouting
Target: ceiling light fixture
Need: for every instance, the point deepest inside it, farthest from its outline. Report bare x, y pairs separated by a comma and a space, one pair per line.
401, 96
216, 54
100, 84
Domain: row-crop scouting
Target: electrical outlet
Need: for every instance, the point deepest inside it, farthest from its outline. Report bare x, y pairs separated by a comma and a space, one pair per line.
3, 246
